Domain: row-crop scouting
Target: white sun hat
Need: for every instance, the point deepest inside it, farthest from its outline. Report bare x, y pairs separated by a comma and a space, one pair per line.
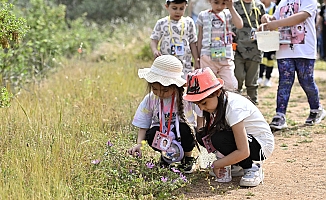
166, 69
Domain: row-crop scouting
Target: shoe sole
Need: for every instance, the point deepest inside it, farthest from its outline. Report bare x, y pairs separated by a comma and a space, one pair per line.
323, 115
190, 171
278, 127
233, 174
251, 184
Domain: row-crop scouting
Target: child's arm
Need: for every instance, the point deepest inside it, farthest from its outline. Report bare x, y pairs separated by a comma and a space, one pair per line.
289, 21
190, 8
236, 19
194, 52
200, 39
156, 52
238, 155
136, 150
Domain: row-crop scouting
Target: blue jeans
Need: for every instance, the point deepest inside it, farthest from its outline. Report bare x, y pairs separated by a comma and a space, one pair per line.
305, 72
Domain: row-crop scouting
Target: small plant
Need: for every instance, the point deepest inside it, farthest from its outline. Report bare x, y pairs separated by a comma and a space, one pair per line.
284, 145
250, 194
291, 160
132, 176
5, 98
305, 141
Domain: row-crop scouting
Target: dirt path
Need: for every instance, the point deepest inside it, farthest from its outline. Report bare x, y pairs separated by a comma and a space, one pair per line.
296, 170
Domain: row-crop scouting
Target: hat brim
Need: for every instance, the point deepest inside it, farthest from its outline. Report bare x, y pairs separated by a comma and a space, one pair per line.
165, 81
203, 95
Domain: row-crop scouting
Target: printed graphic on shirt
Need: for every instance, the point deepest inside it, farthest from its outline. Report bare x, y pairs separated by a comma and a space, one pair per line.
294, 34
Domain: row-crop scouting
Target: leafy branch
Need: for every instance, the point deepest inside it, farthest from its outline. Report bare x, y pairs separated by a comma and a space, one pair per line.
12, 28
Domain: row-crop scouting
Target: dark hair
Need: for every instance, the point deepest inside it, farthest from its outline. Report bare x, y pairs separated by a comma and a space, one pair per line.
219, 123
177, 2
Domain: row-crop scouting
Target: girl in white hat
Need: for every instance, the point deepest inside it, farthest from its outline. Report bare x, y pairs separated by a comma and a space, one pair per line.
235, 130
164, 119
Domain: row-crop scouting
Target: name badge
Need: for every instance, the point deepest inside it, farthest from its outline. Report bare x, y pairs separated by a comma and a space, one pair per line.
161, 141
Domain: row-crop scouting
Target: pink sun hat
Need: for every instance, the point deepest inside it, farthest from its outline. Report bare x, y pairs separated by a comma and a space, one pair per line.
201, 83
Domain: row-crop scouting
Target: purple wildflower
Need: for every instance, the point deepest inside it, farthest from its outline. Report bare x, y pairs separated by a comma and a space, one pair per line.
184, 178
109, 143
130, 171
175, 170
95, 162
150, 165
164, 179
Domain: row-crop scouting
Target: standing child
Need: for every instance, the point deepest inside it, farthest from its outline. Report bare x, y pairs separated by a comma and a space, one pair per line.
233, 124
215, 40
163, 110
295, 20
267, 63
248, 56
176, 32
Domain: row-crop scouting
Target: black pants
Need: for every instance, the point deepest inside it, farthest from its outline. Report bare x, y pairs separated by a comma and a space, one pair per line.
224, 142
187, 139
267, 69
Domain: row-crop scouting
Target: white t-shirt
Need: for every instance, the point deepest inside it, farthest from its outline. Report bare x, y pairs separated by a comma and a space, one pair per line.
147, 114
238, 109
303, 35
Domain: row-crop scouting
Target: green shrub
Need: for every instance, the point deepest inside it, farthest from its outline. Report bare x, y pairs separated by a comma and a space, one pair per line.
48, 39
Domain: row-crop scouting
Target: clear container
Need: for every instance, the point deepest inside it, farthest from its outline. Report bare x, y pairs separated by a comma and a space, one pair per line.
227, 174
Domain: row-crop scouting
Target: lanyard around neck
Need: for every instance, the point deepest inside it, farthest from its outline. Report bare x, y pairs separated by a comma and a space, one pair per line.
161, 114
256, 14
182, 29
225, 24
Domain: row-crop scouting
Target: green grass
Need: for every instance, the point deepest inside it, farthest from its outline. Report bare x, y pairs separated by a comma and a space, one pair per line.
56, 129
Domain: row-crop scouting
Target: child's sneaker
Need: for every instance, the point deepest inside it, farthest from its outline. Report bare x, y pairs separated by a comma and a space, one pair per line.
188, 164
236, 170
267, 83
260, 81
278, 122
316, 116
252, 176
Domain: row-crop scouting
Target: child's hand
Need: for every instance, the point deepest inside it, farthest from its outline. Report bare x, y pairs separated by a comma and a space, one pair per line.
266, 18
228, 3
271, 26
219, 172
157, 53
135, 151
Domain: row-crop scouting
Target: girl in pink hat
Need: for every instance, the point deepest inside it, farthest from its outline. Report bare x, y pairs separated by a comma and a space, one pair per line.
164, 119
234, 126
